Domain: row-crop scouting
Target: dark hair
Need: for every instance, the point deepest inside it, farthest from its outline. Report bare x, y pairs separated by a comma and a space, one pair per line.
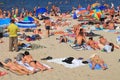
111, 44
91, 38
101, 37
12, 21
26, 53
39, 29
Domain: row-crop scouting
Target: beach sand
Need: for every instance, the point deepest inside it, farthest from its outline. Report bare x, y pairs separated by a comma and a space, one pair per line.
59, 72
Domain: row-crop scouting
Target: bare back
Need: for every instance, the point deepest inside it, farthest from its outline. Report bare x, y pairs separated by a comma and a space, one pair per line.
28, 58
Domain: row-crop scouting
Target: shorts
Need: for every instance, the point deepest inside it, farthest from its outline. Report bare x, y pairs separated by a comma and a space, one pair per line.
1, 35
47, 27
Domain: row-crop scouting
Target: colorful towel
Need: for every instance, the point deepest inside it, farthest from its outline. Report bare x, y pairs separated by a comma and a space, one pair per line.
97, 67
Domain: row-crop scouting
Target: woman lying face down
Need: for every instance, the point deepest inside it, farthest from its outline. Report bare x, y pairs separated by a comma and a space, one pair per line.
13, 66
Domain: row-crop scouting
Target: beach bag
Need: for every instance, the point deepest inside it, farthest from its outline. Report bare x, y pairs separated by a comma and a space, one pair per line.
68, 60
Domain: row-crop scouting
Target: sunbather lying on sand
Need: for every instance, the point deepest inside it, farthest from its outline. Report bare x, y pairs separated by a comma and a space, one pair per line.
103, 42
97, 60
19, 60
15, 67
92, 43
29, 59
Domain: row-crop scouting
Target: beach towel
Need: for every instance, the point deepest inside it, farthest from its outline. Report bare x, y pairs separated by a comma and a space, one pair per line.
26, 65
58, 32
109, 30
75, 62
97, 67
82, 47
29, 46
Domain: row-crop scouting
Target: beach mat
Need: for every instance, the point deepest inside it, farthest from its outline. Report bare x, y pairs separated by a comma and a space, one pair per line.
33, 47
97, 67
76, 62
58, 32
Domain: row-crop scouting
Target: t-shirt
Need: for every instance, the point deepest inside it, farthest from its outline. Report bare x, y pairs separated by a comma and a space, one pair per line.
12, 28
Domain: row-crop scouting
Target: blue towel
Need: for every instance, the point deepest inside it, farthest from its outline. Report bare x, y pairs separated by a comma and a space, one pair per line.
97, 67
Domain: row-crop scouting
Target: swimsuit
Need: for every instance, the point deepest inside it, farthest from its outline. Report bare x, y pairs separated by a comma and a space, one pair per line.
47, 27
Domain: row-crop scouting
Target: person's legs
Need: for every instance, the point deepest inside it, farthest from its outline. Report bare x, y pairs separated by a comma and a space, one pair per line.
93, 65
16, 68
102, 65
24, 69
47, 31
16, 43
10, 43
42, 67
1, 35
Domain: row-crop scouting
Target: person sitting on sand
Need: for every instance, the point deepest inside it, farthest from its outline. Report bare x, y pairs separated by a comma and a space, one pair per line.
63, 39
76, 29
15, 67
97, 60
93, 44
35, 64
81, 39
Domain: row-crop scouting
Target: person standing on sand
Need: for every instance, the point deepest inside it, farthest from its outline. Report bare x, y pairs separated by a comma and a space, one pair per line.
47, 26
1, 34
13, 39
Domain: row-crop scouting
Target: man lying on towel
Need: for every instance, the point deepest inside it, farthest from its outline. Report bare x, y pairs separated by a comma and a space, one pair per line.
12, 66
33, 63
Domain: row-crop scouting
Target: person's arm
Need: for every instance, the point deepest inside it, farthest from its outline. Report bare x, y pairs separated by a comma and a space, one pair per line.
4, 64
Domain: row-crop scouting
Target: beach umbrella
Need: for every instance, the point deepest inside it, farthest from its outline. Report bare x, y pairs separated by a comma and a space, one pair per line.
94, 5
28, 18
96, 13
4, 22
41, 11
26, 24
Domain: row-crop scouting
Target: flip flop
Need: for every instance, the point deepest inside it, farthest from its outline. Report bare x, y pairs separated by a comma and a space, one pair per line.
47, 58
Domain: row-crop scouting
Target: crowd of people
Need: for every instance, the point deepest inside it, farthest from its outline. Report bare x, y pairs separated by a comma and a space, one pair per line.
108, 21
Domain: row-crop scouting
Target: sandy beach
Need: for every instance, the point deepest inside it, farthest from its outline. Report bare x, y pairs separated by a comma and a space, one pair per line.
62, 50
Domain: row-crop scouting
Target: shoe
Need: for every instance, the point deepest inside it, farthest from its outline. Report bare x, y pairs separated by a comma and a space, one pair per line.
47, 58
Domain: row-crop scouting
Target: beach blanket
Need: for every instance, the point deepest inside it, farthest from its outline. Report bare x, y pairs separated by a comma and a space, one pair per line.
82, 47
29, 46
97, 67
75, 62
58, 32
27, 66
106, 30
